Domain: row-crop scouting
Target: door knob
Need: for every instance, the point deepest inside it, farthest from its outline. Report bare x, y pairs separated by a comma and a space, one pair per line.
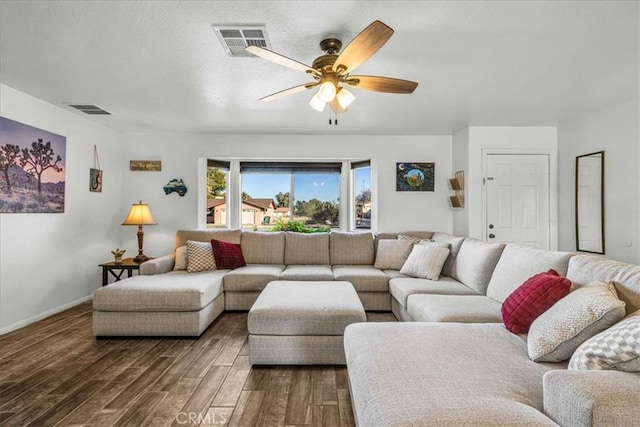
491, 226
492, 236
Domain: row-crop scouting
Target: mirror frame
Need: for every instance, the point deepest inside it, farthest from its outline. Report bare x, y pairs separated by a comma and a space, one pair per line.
577, 219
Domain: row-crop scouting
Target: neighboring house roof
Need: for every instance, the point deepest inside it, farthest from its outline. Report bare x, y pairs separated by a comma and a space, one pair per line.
282, 210
260, 203
213, 203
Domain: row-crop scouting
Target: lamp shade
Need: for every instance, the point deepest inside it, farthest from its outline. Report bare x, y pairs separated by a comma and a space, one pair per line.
316, 103
327, 91
139, 215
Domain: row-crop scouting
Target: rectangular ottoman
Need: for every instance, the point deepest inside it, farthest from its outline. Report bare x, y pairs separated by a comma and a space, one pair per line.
302, 323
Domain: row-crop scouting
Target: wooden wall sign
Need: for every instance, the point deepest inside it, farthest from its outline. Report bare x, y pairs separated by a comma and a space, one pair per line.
145, 165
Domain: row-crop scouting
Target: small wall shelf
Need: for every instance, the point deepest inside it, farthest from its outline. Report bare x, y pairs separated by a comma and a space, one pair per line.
457, 185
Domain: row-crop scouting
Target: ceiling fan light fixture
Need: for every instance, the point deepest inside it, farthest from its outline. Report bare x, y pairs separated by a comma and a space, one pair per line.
317, 104
345, 98
327, 91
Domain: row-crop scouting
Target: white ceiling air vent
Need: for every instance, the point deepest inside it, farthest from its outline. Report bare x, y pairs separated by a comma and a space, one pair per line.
89, 109
235, 38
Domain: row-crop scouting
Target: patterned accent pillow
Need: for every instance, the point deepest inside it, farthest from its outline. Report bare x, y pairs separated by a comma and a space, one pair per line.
199, 256
535, 296
392, 254
227, 255
585, 312
426, 260
616, 348
181, 258
414, 240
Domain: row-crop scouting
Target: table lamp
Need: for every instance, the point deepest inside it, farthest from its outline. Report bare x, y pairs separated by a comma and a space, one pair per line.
140, 215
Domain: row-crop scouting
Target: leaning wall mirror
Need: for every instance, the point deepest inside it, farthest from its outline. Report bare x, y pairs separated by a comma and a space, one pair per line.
590, 202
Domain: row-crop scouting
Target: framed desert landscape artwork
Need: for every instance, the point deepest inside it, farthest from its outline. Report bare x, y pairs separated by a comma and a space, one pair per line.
32, 169
415, 176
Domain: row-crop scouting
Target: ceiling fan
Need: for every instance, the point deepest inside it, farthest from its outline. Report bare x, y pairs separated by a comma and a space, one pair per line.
332, 71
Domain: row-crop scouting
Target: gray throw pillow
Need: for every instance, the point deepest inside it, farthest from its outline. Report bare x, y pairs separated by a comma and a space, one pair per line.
392, 254
426, 260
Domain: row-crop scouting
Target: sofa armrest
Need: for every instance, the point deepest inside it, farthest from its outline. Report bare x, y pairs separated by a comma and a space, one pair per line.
163, 264
592, 398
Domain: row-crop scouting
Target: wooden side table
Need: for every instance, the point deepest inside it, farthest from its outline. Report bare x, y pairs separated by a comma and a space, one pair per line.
116, 269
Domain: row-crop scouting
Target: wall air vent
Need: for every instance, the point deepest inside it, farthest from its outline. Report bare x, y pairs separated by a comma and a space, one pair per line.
235, 38
89, 109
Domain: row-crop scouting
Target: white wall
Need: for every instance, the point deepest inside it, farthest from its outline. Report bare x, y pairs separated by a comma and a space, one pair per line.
50, 261
616, 131
460, 161
180, 153
468, 148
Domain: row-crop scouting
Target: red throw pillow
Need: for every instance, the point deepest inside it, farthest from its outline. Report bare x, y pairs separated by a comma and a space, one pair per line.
227, 255
535, 296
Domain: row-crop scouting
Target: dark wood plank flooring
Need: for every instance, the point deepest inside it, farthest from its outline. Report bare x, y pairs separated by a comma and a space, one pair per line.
54, 372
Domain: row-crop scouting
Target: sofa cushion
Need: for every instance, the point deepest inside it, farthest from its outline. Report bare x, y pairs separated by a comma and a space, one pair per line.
351, 248
535, 296
391, 254
181, 258
517, 263
402, 287
227, 255
307, 272
453, 308
426, 260
231, 236
173, 291
199, 257
263, 247
584, 269
475, 263
430, 374
252, 278
454, 246
413, 240
615, 348
364, 278
559, 331
305, 249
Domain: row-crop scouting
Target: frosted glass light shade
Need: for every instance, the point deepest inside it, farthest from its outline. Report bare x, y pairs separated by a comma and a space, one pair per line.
327, 91
345, 98
316, 103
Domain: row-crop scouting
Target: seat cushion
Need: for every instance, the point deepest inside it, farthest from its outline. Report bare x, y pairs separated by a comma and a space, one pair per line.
475, 263
518, 263
442, 374
173, 291
252, 278
307, 272
402, 287
306, 249
263, 247
351, 248
364, 278
305, 308
453, 308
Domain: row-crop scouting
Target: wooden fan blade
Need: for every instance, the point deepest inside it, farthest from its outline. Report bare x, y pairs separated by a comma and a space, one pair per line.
279, 59
381, 84
368, 42
288, 92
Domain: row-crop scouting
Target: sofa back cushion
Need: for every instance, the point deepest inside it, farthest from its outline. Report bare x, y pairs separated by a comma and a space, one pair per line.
475, 263
351, 248
301, 248
263, 247
584, 269
231, 236
518, 263
455, 243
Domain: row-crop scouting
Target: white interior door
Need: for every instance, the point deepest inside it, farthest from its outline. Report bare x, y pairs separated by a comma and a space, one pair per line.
517, 199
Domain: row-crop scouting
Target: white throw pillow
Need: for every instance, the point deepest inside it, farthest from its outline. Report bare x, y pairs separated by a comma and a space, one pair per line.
585, 312
199, 256
392, 254
426, 260
181, 258
616, 348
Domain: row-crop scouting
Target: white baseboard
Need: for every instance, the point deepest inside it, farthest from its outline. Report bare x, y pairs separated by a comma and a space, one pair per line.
41, 316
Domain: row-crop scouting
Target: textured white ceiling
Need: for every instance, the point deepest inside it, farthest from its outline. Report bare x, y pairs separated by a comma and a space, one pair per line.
158, 66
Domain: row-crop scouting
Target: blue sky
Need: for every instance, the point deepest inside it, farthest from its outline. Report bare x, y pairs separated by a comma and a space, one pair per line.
325, 187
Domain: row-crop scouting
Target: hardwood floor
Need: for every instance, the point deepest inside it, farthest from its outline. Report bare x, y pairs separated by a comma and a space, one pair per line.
54, 372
